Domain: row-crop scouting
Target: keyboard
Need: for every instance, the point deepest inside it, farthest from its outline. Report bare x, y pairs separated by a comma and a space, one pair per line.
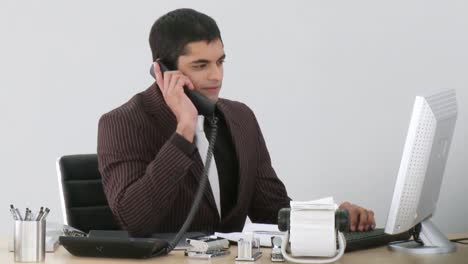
373, 238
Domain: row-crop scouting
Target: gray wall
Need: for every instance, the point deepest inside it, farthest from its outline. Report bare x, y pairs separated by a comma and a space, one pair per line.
332, 84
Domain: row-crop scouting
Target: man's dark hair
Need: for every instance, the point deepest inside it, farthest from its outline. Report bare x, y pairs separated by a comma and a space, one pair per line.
174, 30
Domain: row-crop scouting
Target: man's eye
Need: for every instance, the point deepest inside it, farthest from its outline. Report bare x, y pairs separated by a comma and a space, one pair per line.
199, 66
221, 62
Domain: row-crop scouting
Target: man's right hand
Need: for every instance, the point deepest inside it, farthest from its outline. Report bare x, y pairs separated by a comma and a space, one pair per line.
172, 87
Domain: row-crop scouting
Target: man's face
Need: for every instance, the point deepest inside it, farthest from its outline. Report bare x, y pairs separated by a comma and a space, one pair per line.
203, 64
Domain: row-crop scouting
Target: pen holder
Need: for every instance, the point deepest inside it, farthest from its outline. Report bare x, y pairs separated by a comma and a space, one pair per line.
29, 240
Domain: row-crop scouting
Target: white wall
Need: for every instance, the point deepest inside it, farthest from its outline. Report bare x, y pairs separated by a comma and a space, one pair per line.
332, 84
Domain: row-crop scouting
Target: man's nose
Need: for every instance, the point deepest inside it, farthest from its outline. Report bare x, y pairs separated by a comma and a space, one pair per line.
216, 73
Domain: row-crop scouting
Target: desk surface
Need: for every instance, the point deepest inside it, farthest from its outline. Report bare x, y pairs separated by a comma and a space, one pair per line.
379, 255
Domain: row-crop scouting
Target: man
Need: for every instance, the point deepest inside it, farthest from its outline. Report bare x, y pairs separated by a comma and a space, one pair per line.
147, 148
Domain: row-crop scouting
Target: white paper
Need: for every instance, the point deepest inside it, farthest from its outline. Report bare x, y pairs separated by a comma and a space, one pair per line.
262, 231
312, 231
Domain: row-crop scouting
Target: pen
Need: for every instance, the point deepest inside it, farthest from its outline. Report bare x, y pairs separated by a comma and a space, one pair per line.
19, 214
41, 212
13, 212
46, 212
26, 215
29, 214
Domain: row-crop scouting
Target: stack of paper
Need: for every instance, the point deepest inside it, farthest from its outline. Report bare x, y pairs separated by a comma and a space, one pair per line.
312, 231
262, 231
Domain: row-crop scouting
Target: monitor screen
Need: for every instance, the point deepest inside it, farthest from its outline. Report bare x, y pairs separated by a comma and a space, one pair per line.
423, 163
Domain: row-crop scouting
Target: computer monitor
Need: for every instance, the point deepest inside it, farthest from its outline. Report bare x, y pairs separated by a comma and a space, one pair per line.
421, 170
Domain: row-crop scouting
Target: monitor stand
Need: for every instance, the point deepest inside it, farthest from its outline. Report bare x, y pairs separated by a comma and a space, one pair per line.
434, 242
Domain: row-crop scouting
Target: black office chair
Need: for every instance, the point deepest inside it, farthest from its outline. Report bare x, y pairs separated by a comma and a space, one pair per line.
84, 203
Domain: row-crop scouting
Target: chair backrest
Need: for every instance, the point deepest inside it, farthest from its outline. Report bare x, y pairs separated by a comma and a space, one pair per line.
84, 203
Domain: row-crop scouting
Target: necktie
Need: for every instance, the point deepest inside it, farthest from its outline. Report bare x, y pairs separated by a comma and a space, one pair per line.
202, 145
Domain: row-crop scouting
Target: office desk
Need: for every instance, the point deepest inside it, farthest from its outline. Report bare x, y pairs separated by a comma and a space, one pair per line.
379, 255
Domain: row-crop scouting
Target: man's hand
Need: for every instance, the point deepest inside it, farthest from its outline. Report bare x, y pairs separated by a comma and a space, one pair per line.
360, 219
172, 87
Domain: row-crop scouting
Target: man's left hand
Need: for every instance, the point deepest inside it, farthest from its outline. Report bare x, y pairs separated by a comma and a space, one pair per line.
360, 219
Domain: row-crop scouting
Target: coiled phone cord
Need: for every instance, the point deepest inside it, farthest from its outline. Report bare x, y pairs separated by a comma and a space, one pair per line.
201, 188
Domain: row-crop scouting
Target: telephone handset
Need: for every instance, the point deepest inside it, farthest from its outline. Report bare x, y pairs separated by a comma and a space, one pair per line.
202, 103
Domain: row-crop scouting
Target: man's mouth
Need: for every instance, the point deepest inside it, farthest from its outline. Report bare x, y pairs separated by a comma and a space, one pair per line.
212, 89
